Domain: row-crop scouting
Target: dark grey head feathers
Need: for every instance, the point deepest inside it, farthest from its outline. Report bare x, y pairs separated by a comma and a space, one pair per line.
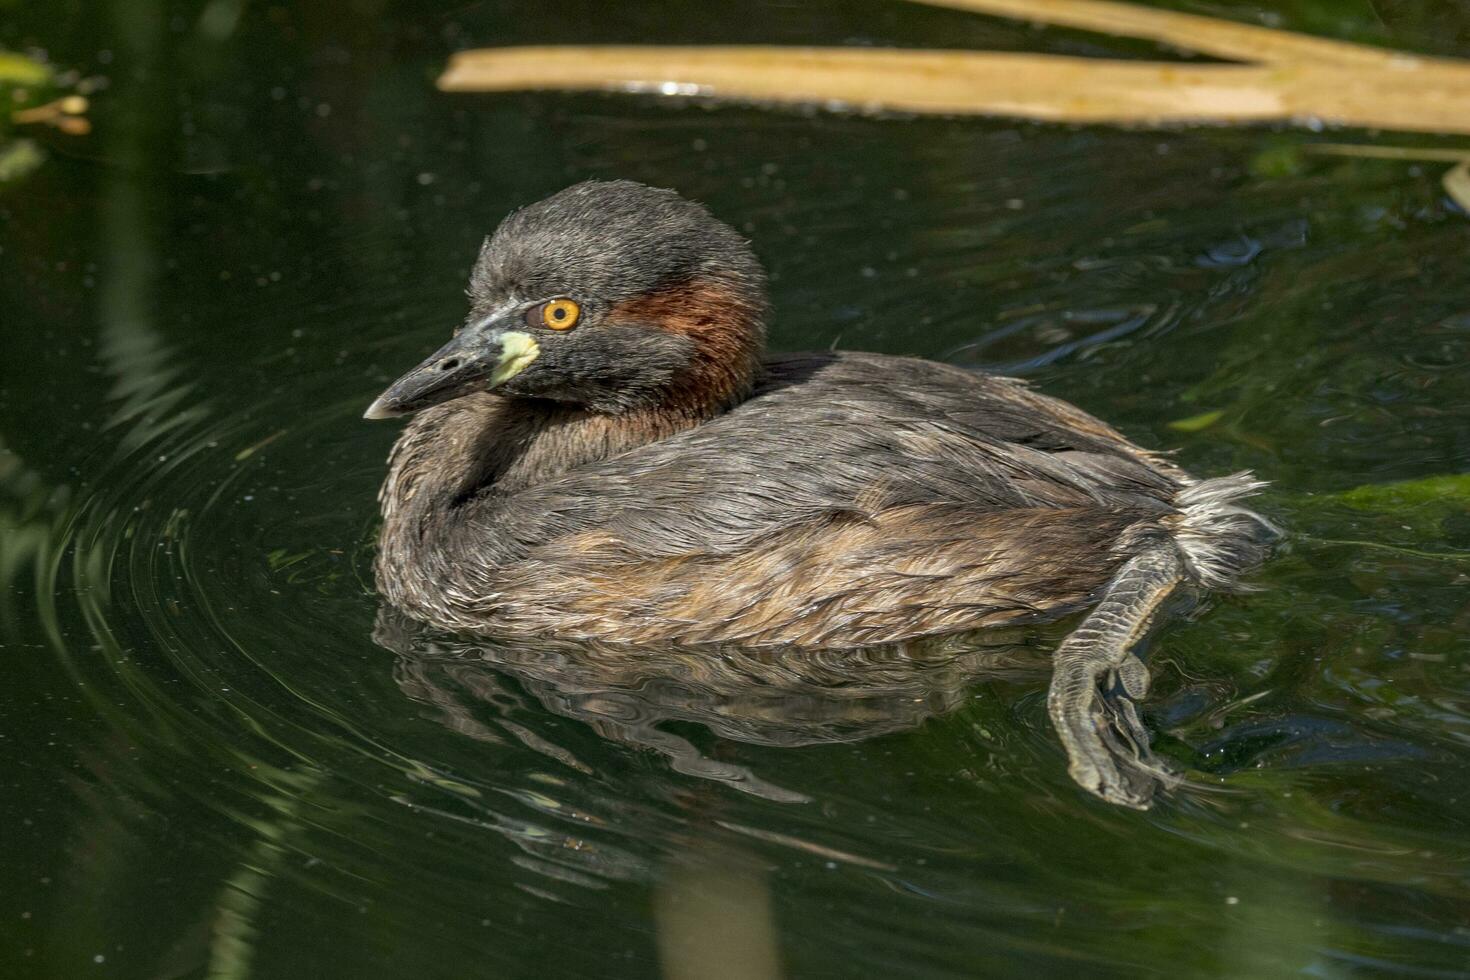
608, 296
611, 241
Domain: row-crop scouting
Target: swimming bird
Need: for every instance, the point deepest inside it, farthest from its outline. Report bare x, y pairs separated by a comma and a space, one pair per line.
604, 451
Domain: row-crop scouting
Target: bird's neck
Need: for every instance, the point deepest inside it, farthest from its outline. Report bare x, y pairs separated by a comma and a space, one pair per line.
483, 443
455, 458
723, 323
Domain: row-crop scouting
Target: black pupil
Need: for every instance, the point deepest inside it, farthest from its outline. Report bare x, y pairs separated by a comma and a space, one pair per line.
559, 313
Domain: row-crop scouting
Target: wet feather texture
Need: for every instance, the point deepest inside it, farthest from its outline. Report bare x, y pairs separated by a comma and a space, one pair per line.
649, 478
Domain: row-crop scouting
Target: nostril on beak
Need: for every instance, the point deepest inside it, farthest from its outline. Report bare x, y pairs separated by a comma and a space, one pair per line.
449, 365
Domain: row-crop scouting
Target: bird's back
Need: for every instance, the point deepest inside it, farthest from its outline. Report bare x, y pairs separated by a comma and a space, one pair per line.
853, 499
852, 433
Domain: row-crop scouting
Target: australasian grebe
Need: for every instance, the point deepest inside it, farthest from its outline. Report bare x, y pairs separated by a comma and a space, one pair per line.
602, 452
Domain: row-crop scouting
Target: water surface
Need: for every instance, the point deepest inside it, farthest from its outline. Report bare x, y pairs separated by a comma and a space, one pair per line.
218, 759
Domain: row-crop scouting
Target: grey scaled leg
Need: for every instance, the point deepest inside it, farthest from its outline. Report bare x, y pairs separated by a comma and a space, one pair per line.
1096, 677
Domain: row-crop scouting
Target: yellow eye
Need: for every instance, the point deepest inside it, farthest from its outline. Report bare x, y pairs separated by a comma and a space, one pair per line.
558, 314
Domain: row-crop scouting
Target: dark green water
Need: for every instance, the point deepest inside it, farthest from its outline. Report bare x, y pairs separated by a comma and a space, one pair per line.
214, 761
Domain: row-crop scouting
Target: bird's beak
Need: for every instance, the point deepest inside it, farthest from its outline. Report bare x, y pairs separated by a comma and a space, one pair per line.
480, 357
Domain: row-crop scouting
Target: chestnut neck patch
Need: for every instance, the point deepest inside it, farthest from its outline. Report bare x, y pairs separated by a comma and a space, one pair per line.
724, 323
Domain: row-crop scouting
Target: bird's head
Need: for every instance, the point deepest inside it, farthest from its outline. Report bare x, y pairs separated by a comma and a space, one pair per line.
608, 296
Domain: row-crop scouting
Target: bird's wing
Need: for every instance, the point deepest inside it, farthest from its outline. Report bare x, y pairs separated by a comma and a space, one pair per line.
842, 434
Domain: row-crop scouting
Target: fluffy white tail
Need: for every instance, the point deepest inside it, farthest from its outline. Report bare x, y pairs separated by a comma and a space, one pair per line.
1218, 539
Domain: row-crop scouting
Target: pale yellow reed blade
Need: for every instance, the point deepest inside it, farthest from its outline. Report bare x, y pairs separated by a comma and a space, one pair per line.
1430, 98
1189, 32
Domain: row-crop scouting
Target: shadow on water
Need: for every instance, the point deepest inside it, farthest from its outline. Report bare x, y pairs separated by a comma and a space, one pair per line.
218, 760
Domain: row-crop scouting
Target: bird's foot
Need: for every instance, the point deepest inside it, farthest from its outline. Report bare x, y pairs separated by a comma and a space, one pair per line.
1092, 705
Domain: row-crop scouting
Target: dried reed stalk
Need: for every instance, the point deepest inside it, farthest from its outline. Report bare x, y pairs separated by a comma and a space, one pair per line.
1190, 32
1285, 77
953, 82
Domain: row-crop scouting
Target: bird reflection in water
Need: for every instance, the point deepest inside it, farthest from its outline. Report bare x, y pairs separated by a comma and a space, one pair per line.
775, 697
711, 890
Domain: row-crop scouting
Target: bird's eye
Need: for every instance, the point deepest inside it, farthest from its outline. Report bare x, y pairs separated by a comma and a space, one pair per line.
558, 314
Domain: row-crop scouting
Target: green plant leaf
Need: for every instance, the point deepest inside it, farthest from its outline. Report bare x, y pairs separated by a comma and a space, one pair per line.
18, 158
1197, 423
16, 69
1452, 489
